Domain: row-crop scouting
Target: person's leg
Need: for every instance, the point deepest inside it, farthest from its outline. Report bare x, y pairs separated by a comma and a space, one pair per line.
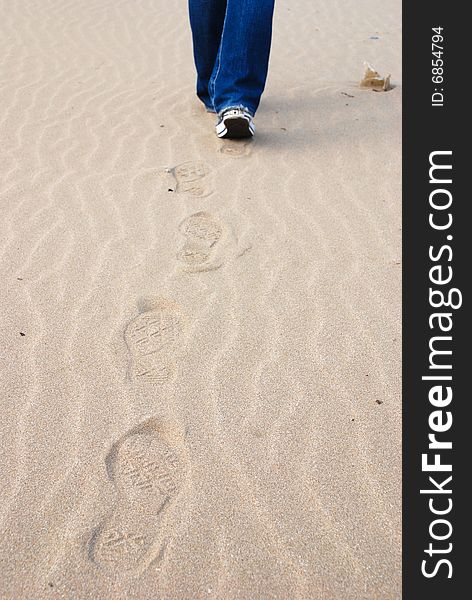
206, 20
240, 70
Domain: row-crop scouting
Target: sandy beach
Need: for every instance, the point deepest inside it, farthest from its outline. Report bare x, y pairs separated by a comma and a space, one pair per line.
200, 377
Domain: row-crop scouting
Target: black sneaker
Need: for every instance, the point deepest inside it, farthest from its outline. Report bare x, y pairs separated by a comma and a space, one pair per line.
235, 122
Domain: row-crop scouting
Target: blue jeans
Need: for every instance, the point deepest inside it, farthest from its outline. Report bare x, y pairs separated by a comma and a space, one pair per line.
231, 45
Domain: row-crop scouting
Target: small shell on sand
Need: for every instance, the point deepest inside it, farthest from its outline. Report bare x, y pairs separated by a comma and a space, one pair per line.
373, 80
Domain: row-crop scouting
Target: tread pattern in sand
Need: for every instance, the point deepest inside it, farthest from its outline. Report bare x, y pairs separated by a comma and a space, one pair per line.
203, 232
148, 473
235, 148
151, 339
190, 177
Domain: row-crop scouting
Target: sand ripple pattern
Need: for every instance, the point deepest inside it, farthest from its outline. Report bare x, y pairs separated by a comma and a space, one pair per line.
248, 413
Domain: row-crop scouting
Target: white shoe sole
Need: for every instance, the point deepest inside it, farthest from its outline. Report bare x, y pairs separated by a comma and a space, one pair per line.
235, 127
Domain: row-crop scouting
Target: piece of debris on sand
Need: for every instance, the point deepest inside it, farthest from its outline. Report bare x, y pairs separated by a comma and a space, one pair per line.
373, 80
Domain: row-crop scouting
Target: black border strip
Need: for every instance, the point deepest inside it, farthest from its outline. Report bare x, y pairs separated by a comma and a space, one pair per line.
426, 129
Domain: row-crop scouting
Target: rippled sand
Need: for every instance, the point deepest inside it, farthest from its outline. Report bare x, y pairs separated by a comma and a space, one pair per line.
201, 391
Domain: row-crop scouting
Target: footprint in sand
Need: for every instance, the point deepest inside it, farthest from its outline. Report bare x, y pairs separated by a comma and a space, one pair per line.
200, 251
235, 148
152, 339
148, 472
191, 177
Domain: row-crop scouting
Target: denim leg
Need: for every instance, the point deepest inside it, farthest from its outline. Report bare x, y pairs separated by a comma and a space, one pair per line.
240, 70
206, 20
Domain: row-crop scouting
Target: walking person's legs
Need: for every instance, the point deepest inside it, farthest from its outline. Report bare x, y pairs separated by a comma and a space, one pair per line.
240, 70
206, 20
231, 47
